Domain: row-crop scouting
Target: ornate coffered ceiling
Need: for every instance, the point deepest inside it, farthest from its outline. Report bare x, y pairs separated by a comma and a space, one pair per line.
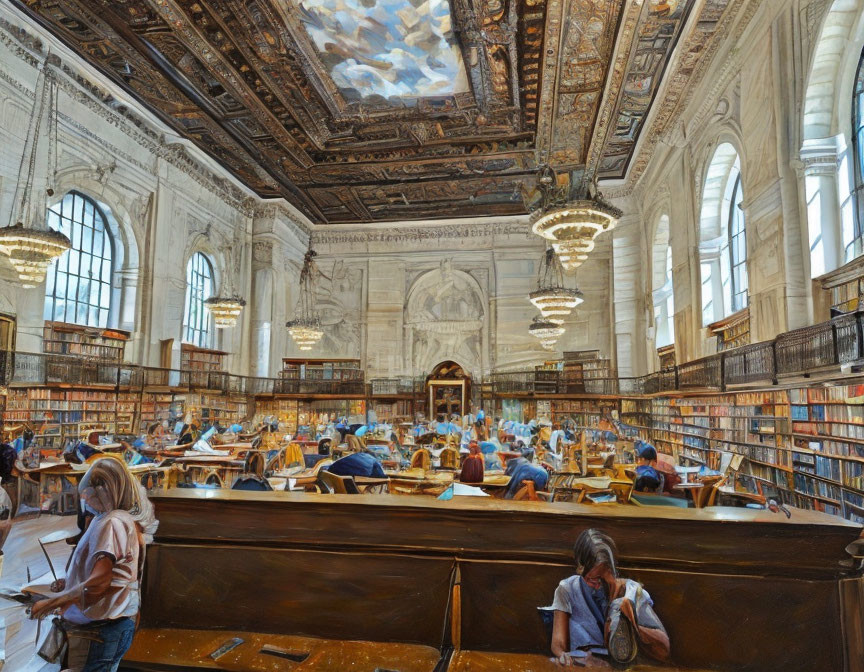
381, 110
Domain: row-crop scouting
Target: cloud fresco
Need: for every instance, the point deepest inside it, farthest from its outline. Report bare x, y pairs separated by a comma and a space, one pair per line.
390, 48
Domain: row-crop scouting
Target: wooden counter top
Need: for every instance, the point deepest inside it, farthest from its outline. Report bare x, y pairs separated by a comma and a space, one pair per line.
719, 539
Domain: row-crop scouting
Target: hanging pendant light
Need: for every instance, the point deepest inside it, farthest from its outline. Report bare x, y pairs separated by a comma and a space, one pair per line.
225, 310
546, 331
554, 301
305, 328
29, 244
571, 219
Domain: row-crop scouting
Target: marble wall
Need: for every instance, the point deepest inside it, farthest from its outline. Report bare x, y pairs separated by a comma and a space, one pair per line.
778, 89
406, 297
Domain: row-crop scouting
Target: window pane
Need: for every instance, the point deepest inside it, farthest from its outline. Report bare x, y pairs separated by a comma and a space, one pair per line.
196, 318
77, 273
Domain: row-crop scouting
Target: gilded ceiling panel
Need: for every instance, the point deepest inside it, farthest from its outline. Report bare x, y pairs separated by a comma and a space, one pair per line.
378, 110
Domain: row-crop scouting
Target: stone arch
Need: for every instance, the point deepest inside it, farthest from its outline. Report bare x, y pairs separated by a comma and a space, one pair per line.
445, 311
828, 93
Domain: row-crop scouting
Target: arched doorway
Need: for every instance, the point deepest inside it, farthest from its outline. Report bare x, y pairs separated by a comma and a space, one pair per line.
448, 390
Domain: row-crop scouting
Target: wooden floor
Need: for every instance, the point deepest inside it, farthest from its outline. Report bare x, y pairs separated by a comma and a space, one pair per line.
20, 552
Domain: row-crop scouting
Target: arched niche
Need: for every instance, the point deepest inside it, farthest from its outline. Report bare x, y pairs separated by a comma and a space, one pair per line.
444, 315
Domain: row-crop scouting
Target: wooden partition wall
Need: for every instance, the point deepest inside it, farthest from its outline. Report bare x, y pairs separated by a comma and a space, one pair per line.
737, 589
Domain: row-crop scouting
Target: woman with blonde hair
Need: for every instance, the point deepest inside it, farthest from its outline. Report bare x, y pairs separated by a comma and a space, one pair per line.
99, 599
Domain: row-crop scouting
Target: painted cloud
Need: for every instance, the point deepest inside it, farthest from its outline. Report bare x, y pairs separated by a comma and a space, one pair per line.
400, 49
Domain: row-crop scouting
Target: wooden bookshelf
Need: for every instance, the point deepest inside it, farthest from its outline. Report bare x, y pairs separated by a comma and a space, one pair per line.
193, 358
61, 338
666, 354
732, 331
321, 369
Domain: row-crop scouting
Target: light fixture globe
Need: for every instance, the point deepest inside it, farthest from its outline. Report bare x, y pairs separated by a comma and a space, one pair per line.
572, 229
546, 331
305, 332
552, 298
31, 251
225, 310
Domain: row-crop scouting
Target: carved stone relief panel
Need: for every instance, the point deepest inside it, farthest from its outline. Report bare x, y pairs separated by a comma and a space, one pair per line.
444, 316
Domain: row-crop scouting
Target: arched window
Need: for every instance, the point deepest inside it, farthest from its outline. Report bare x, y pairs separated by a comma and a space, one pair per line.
853, 227
199, 288
661, 285
723, 238
78, 283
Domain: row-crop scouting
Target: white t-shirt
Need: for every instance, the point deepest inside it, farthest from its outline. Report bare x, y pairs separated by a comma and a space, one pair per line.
112, 534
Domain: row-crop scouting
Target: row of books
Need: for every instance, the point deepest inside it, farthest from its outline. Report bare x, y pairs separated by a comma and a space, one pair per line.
840, 430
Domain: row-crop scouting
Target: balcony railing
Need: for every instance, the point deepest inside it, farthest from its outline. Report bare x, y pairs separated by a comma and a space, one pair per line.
802, 351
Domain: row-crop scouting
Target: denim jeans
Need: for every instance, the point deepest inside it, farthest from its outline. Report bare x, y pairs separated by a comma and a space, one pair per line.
116, 639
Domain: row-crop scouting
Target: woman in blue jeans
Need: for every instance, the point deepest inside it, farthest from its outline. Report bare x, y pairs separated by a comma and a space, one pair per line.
99, 599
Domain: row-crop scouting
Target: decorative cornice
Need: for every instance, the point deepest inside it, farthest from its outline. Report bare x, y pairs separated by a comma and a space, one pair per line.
684, 81
362, 235
27, 47
280, 210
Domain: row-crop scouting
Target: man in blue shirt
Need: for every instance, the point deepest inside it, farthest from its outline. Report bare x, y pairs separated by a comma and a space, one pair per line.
521, 469
357, 464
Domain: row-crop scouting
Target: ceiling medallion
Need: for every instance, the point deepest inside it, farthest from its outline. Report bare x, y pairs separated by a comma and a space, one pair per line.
571, 217
225, 310
546, 331
554, 301
31, 249
305, 328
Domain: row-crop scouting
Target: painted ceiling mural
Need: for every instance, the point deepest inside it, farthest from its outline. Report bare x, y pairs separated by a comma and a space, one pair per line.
384, 110
392, 49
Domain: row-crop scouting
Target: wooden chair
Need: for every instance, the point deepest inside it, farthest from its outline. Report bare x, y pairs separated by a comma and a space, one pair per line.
337, 485
294, 455
421, 459
527, 492
254, 463
450, 458
623, 490
276, 462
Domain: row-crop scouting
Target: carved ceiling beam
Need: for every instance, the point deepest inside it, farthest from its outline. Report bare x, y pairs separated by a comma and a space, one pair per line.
118, 34
219, 67
305, 115
624, 48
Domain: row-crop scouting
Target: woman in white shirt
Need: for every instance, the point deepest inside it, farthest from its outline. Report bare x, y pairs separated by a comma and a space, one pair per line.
100, 594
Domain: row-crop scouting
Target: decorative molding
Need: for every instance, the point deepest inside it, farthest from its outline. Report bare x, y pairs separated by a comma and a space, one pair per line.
683, 83
278, 210
414, 233
23, 45
262, 252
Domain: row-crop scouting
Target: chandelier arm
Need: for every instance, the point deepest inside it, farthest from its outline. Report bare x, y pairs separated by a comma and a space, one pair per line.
28, 162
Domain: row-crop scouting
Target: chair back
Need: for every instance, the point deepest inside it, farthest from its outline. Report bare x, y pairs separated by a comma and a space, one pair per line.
449, 458
275, 460
294, 455
251, 482
421, 459
254, 463
527, 492
338, 485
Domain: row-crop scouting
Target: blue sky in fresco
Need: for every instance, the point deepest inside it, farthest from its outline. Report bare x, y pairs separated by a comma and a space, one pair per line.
389, 48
